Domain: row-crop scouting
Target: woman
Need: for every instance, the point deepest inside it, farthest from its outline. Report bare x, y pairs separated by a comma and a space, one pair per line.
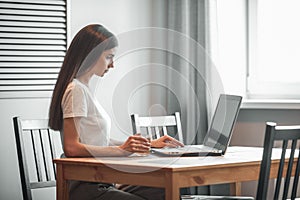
83, 123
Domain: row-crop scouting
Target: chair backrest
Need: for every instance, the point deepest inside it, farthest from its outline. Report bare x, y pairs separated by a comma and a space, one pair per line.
37, 145
289, 136
157, 126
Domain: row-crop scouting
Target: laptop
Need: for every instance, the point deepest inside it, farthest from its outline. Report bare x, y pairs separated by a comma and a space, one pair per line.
219, 133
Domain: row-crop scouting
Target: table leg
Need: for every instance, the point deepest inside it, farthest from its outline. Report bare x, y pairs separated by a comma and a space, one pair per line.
61, 184
172, 187
235, 189
172, 193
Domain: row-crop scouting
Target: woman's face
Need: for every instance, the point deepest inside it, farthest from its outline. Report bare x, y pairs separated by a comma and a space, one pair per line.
104, 62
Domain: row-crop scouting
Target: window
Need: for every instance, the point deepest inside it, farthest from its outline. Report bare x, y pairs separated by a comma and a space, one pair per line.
33, 43
274, 49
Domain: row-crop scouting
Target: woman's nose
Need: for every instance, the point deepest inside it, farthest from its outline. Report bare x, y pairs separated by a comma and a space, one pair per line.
111, 65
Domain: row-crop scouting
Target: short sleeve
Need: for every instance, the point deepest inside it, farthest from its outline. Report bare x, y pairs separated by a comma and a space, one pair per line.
74, 102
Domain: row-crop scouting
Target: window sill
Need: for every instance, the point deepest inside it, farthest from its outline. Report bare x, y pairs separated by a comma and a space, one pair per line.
270, 104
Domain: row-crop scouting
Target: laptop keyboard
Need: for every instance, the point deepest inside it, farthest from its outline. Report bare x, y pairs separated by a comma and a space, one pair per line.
191, 148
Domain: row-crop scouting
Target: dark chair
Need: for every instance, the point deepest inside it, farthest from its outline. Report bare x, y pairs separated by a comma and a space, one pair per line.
37, 146
287, 135
157, 126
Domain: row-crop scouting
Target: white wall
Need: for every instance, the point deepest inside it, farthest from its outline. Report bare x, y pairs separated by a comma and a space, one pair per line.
117, 15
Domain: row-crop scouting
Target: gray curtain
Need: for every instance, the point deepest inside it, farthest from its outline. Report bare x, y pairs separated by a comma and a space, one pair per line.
191, 42
188, 17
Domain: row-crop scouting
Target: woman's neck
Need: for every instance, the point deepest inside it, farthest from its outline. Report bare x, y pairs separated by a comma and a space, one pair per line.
85, 79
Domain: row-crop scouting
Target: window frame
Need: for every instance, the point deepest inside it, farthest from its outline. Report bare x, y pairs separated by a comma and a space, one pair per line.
18, 78
258, 90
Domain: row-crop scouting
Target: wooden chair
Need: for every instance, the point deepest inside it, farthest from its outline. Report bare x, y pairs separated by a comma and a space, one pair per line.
157, 126
287, 136
37, 146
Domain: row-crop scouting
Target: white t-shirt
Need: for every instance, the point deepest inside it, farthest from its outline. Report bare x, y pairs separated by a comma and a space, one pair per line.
94, 125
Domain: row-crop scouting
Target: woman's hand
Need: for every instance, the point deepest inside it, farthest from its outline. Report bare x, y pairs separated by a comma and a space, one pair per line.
166, 141
136, 144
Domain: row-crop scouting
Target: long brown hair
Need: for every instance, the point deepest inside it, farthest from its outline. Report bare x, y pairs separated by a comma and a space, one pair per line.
80, 56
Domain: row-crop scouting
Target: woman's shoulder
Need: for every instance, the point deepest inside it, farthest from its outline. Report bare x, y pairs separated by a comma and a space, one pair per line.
75, 85
73, 93
74, 89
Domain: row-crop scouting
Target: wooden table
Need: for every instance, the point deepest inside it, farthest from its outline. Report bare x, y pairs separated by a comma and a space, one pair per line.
237, 165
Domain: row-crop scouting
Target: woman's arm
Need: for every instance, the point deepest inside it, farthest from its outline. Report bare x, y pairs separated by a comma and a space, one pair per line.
113, 142
74, 148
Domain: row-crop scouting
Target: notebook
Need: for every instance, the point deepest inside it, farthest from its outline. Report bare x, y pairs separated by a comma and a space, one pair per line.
219, 133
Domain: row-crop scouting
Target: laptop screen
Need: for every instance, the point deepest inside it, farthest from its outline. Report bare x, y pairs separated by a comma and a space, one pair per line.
220, 130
